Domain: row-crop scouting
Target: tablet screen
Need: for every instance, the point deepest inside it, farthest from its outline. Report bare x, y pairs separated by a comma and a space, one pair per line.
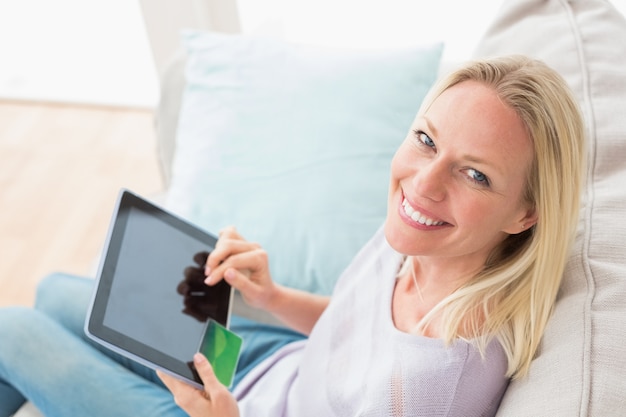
151, 300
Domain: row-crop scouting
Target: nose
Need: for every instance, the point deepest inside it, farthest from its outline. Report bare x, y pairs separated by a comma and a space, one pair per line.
430, 180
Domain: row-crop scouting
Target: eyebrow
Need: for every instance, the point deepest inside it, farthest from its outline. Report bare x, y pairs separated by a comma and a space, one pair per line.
431, 127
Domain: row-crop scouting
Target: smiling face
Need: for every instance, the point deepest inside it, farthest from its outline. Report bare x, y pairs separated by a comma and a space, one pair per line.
458, 179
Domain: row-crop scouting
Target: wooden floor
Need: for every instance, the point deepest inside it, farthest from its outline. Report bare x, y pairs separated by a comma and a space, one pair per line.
61, 168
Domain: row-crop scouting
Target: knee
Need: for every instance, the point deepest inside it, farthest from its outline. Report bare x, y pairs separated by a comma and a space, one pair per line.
17, 327
64, 298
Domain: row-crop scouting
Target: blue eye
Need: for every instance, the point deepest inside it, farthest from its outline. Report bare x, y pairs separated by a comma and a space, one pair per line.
478, 177
424, 138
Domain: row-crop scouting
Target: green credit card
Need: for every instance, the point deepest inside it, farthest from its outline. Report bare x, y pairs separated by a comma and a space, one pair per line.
221, 347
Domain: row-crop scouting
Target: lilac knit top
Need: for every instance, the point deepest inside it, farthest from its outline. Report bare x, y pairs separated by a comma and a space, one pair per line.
357, 363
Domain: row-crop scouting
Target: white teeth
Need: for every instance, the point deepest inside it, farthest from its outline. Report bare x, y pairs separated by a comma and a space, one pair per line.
419, 217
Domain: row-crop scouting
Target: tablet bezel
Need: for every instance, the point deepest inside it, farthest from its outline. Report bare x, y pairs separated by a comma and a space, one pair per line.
125, 344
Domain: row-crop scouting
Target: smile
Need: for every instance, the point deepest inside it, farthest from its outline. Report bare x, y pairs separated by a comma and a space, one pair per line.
419, 217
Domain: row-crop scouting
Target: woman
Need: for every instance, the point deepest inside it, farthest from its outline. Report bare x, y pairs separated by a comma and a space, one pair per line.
457, 286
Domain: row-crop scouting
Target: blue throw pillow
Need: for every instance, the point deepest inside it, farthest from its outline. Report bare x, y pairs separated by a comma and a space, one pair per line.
292, 145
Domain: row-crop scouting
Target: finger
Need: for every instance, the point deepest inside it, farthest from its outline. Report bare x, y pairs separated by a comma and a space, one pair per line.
229, 232
224, 252
170, 382
190, 399
240, 280
247, 262
178, 388
255, 259
205, 370
227, 246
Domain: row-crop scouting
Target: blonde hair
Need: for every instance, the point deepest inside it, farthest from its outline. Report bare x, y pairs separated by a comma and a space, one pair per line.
512, 298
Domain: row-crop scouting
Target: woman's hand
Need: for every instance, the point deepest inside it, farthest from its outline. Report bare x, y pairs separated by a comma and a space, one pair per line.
215, 400
244, 265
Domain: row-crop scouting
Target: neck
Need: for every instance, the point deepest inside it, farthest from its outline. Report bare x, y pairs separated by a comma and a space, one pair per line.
438, 278
419, 289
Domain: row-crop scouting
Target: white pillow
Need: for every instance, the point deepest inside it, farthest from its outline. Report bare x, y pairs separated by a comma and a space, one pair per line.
581, 367
292, 145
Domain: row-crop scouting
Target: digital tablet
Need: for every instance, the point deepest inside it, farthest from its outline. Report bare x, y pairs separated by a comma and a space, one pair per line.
150, 303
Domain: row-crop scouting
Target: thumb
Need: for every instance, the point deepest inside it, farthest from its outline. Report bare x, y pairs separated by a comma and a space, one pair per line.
205, 370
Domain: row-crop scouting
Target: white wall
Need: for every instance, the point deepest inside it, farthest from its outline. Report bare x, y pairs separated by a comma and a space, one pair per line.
97, 51
163, 20
372, 24
375, 23
83, 51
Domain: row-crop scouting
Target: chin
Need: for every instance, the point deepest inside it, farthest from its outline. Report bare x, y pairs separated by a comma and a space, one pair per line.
398, 240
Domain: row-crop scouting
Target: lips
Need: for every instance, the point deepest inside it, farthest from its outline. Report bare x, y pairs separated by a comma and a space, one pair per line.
418, 217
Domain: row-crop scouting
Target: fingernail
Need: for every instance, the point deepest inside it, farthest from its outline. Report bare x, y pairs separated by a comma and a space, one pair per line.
198, 358
208, 280
207, 270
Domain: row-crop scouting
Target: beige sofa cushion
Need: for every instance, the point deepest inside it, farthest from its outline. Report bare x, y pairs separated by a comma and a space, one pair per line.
581, 368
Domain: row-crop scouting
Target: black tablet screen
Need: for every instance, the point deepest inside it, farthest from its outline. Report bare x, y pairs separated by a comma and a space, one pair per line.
151, 299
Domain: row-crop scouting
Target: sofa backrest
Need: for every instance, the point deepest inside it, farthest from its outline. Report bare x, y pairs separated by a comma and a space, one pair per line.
581, 367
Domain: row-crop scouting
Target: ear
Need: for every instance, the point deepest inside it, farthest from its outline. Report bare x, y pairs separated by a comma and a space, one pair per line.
525, 221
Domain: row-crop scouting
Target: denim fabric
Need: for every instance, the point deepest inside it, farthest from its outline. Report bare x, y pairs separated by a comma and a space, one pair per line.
46, 358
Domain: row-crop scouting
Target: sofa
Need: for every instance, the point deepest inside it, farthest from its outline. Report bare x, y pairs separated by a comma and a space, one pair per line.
292, 144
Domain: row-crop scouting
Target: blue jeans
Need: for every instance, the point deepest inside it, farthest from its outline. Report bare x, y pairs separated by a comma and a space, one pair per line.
46, 358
